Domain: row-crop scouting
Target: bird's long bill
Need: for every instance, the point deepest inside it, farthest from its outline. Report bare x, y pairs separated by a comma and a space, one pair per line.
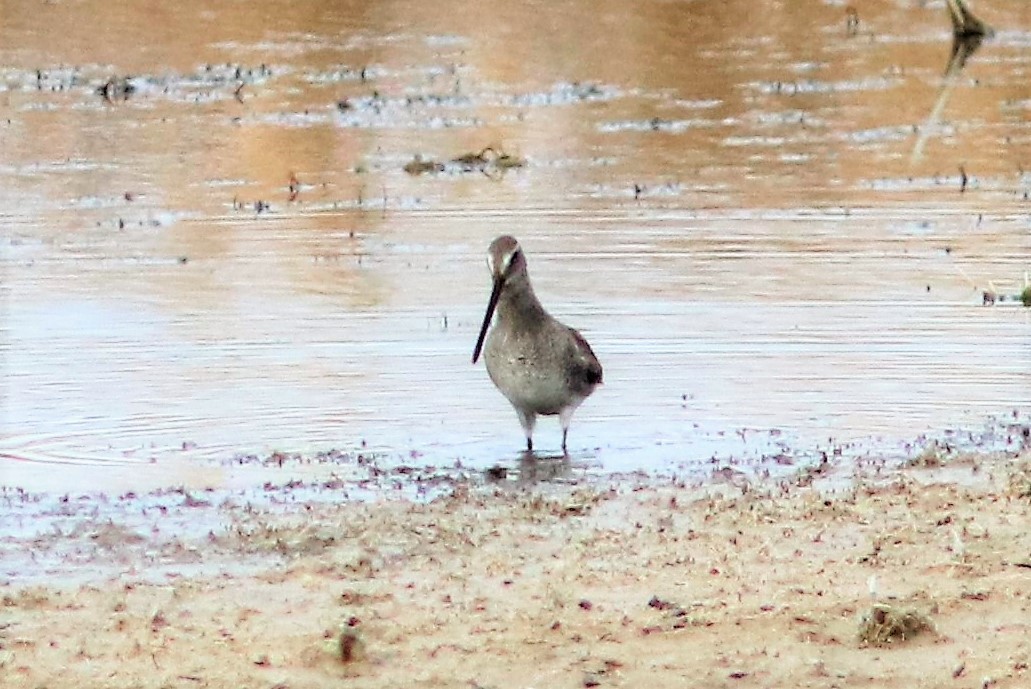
495, 293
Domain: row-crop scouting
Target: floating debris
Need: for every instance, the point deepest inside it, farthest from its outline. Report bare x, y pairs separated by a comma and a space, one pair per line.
813, 86
418, 166
489, 161
52, 79
207, 83
469, 161
992, 296
656, 124
488, 157
565, 94
294, 188
116, 89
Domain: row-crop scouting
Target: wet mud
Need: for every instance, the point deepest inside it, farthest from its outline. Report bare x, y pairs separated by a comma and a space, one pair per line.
843, 572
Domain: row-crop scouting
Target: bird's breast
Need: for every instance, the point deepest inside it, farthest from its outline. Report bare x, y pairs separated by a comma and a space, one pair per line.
534, 370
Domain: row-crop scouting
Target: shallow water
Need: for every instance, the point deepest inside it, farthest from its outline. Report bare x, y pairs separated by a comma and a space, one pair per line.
724, 198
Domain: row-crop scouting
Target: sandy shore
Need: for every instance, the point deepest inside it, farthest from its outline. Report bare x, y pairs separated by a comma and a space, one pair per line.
621, 581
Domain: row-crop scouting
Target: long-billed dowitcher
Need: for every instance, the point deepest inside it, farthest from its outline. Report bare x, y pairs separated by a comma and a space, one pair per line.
539, 364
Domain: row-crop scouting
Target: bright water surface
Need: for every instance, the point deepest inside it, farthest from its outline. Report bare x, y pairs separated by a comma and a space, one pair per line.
724, 197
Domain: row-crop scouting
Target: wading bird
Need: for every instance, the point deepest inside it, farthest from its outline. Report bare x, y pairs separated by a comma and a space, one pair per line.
539, 364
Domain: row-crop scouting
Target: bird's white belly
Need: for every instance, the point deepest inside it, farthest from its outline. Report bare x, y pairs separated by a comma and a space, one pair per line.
529, 382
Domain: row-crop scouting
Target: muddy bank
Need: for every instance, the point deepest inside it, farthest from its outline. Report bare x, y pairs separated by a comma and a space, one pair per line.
790, 223
151, 526
625, 581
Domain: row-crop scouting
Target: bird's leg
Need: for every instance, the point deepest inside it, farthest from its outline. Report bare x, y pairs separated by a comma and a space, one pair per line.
527, 419
565, 416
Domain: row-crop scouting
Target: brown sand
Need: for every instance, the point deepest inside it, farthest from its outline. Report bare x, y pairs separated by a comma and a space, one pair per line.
624, 582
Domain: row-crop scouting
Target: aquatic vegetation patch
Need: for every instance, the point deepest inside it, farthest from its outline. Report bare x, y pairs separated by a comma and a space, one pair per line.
489, 161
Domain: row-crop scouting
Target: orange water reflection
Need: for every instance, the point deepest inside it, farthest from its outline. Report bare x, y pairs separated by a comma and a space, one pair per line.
721, 194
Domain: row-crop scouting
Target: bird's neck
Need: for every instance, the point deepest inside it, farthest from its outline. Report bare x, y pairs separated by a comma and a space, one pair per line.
519, 303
